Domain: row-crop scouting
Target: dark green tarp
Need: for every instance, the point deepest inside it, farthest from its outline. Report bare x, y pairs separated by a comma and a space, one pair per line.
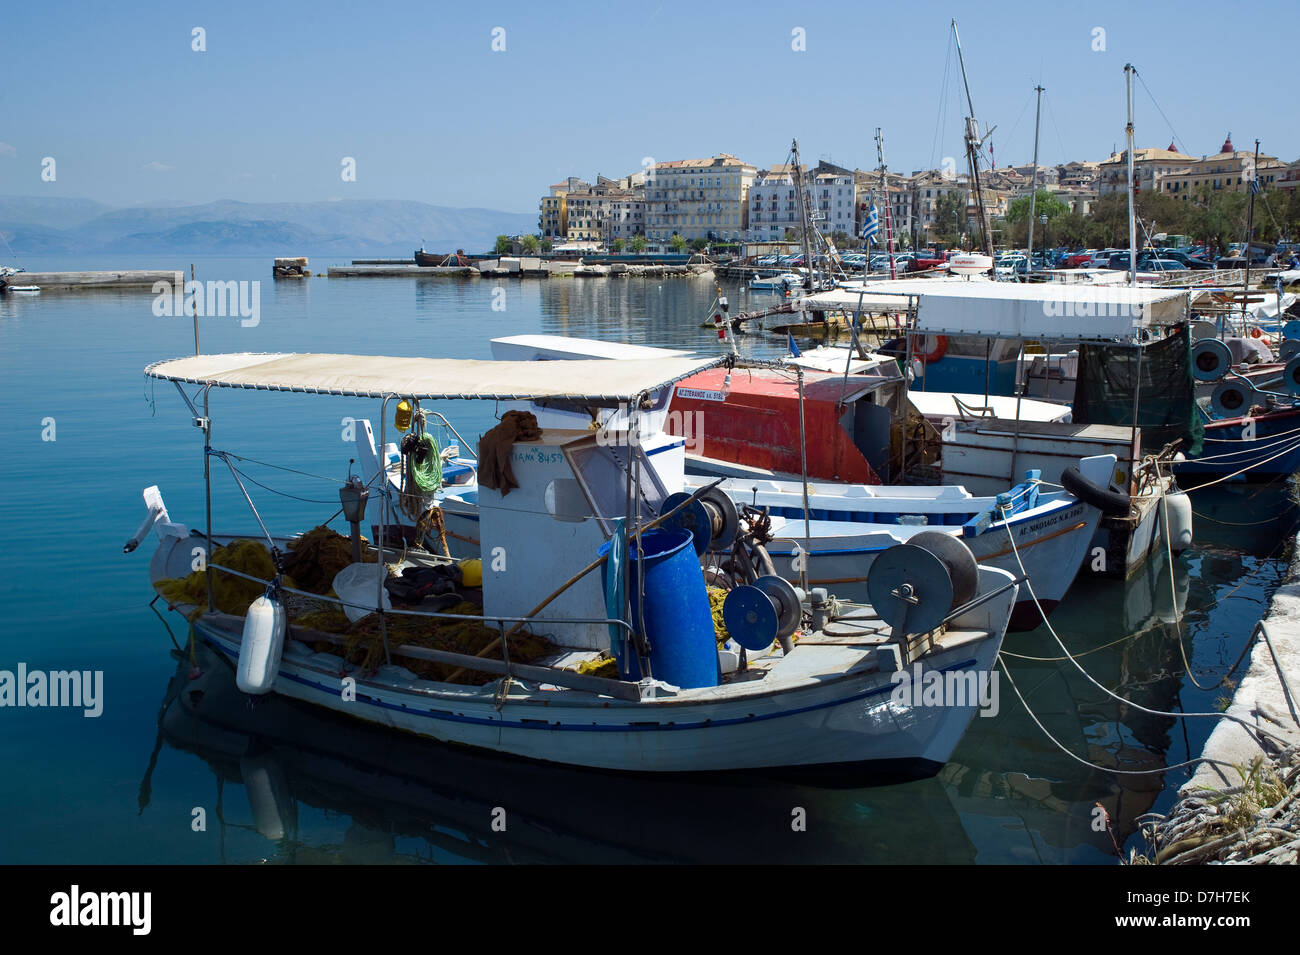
1167, 404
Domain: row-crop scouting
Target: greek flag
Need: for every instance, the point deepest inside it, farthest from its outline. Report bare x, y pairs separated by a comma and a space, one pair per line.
1254, 185
872, 224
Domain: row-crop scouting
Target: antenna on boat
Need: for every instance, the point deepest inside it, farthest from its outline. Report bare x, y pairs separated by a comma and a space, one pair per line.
1132, 222
196, 313
884, 188
1033, 187
1253, 185
810, 281
973, 143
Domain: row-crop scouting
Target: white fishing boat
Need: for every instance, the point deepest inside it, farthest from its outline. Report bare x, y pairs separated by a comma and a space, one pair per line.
849, 524
816, 683
785, 282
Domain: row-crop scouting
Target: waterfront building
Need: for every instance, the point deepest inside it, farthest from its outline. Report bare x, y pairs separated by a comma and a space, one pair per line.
698, 198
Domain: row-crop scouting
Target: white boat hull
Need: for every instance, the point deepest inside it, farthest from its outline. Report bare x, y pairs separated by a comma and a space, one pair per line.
848, 719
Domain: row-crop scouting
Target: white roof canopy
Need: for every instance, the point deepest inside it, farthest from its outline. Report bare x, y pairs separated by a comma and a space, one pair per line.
376, 376
1013, 310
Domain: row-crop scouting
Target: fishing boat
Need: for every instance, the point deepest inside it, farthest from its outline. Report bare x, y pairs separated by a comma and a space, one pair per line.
9, 284
849, 523
812, 682
1251, 422
785, 282
457, 261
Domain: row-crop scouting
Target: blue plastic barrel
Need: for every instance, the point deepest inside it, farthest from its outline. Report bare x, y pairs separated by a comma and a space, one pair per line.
678, 620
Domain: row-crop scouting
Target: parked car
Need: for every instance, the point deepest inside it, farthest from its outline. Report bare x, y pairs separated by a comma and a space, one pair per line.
923, 261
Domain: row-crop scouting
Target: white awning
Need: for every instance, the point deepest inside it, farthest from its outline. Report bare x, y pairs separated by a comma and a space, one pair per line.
886, 295
376, 376
1014, 310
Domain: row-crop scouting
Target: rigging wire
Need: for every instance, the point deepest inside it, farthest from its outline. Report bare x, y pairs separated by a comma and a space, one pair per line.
941, 117
1178, 140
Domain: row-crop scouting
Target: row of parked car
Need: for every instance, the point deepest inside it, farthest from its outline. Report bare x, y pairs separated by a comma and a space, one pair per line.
1196, 258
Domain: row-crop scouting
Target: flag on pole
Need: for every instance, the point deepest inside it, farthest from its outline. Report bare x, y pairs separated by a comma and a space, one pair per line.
1254, 186
872, 224
794, 349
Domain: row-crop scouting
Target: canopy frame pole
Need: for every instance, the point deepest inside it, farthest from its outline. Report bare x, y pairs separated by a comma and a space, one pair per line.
1015, 442
207, 489
383, 519
803, 471
634, 462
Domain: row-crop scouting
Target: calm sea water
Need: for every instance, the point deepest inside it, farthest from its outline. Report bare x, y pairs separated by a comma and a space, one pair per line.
280, 782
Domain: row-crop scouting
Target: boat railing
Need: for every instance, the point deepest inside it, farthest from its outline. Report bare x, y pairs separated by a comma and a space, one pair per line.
494, 618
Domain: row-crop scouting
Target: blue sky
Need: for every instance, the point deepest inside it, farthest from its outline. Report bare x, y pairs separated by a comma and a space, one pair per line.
416, 95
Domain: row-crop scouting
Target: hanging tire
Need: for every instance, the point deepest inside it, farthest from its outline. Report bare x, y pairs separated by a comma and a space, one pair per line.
1104, 499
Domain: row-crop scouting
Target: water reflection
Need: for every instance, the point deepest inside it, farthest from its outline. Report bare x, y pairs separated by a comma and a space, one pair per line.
277, 764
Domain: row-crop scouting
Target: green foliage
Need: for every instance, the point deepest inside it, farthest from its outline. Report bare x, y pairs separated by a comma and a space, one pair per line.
677, 243
699, 245
504, 246
638, 243
531, 244
617, 245
1044, 203
950, 214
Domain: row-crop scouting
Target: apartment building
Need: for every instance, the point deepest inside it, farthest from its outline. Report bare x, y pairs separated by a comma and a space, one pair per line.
698, 198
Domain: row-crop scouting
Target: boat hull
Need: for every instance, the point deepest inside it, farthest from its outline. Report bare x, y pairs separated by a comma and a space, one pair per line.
1053, 544
851, 719
1262, 448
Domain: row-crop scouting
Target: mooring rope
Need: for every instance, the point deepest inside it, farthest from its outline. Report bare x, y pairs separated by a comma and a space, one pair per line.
1255, 732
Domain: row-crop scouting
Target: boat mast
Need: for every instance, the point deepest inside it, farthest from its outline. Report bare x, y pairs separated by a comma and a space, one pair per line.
884, 189
973, 144
809, 282
1250, 233
1132, 221
1033, 186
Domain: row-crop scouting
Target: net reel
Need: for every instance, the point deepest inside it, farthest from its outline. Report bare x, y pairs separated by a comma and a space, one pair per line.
711, 518
757, 614
915, 586
1235, 397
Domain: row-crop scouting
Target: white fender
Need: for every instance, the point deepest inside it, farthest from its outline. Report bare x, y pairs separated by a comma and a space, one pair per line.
1178, 511
263, 643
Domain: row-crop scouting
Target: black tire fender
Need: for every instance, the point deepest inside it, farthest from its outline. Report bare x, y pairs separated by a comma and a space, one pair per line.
1104, 499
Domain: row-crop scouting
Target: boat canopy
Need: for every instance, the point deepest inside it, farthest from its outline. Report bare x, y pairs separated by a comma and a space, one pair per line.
1013, 310
377, 376
886, 295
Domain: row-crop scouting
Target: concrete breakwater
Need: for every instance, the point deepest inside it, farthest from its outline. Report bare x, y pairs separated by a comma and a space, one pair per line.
94, 281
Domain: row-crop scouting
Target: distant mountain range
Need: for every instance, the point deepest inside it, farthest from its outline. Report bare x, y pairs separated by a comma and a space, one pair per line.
380, 227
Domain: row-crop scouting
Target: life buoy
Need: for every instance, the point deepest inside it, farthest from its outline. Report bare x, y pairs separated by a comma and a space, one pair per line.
1104, 499
934, 354
1256, 333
